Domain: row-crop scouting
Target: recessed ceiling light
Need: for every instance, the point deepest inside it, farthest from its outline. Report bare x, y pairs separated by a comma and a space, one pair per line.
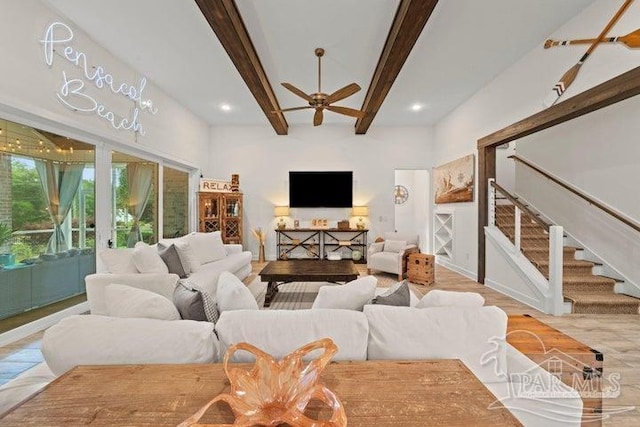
417, 107
225, 107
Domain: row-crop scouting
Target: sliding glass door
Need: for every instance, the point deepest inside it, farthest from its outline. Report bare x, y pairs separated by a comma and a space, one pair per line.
47, 239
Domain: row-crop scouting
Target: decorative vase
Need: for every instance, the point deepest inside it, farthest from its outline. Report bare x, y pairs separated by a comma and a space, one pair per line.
261, 254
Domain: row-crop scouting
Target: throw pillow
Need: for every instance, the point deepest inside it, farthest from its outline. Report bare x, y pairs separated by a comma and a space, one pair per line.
232, 294
194, 304
395, 246
208, 247
119, 261
127, 301
439, 298
147, 260
398, 295
351, 296
171, 258
187, 255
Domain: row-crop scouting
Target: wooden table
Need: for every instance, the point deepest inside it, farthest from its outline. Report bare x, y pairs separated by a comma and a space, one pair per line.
576, 364
374, 393
305, 270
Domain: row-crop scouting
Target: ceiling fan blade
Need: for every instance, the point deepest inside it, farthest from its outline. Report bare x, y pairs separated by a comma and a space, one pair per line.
348, 90
297, 91
317, 117
293, 109
346, 111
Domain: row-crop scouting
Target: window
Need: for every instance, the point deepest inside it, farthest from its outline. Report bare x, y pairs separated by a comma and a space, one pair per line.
47, 239
134, 183
175, 204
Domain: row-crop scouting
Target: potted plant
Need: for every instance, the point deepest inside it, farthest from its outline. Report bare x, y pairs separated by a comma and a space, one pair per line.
5, 236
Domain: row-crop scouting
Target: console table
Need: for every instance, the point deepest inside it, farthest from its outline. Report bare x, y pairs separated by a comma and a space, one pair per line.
317, 243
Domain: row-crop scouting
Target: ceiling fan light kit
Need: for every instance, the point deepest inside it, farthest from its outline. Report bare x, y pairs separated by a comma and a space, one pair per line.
320, 100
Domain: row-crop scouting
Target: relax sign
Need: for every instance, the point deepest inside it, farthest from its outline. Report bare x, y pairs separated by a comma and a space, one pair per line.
214, 186
72, 94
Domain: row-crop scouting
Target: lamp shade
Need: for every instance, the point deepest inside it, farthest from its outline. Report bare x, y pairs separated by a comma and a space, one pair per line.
281, 211
360, 211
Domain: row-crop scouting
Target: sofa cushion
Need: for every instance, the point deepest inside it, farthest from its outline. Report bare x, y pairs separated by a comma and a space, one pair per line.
99, 340
208, 247
162, 284
394, 246
194, 303
147, 259
439, 298
232, 294
476, 335
398, 295
279, 332
350, 296
171, 258
118, 261
127, 301
207, 276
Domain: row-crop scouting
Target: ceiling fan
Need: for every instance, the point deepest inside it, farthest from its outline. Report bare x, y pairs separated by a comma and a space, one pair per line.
320, 101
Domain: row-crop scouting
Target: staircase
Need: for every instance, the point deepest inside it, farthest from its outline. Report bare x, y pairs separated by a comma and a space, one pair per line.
588, 293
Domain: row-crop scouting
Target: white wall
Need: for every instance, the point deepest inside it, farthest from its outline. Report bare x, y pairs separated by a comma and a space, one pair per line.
264, 159
519, 92
28, 91
414, 215
600, 155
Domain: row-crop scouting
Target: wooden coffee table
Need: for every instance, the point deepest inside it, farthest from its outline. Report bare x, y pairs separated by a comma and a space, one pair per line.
373, 393
305, 270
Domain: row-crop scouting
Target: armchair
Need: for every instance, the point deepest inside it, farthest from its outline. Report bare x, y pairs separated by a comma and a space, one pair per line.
391, 255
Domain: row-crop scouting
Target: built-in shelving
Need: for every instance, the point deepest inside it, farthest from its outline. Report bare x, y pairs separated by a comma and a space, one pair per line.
443, 234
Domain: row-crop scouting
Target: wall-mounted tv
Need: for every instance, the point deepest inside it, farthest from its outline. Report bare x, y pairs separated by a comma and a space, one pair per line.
321, 189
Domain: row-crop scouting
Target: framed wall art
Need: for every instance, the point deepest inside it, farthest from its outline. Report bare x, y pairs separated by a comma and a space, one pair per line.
454, 180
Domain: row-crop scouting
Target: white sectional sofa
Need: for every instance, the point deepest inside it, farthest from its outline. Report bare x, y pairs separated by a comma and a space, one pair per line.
474, 333
202, 257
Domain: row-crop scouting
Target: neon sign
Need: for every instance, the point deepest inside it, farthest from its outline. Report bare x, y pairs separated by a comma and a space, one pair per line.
72, 91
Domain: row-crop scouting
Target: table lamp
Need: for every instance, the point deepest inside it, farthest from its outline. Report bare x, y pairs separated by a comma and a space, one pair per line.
280, 212
360, 212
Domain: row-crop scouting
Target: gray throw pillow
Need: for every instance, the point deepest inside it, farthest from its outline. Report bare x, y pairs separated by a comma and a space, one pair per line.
399, 295
194, 304
171, 257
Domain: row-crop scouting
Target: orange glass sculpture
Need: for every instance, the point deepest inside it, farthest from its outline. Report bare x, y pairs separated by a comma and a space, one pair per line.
273, 393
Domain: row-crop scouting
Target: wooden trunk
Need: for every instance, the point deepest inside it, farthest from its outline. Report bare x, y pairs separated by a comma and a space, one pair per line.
421, 269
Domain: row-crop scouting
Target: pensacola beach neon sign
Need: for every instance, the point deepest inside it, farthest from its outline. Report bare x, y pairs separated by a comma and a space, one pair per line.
72, 91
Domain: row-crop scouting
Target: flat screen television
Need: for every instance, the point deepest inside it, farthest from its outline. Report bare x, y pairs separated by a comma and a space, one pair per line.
321, 189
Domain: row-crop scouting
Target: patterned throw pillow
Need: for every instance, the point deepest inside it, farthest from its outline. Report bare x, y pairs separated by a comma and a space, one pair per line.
193, 303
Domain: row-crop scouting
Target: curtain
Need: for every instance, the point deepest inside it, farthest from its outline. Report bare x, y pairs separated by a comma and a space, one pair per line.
140, 179
60, 183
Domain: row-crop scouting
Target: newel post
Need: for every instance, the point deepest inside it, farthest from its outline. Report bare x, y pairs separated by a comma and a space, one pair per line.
556, 249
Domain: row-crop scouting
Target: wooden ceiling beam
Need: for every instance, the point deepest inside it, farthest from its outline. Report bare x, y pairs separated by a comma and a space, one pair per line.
411, 17
225, 21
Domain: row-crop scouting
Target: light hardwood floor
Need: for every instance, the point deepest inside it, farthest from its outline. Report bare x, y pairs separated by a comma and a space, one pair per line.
617, 336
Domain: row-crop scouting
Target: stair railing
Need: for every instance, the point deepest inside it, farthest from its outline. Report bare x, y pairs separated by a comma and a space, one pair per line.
617, 215
554, 303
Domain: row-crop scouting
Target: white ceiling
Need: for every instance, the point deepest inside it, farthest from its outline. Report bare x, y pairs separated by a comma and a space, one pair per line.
465, 44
